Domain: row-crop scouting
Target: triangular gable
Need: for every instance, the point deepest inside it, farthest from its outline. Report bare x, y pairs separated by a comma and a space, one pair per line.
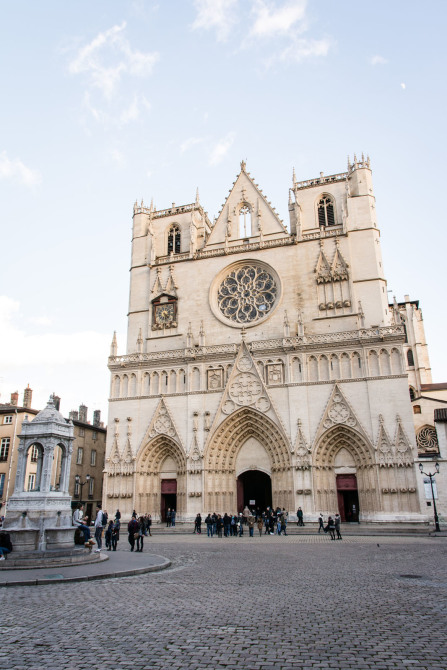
339, 412
171, 286
161, 423
264, 219
339, 267
323, 269
384, 446
245, 388
403, 447
301, 449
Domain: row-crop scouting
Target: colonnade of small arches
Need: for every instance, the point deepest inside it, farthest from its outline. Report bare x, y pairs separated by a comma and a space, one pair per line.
292, 369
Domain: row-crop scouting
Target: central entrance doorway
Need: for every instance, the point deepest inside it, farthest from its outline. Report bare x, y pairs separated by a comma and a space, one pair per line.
254, 485
168, 496
348, 497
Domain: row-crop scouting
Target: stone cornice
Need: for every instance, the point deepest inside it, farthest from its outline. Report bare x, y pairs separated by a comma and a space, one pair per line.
278, 345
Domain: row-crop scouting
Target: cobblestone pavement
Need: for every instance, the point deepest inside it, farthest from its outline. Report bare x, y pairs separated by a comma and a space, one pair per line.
252, 604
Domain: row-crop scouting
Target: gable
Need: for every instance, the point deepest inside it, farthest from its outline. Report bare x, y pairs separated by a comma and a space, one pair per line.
246, 213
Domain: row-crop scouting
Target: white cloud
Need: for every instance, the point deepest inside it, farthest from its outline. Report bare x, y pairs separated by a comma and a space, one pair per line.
378, 60
108, 57
271, 20
190, 142
301, 49
216, 14
403, 86
120, 118
221, 149
72, 364
15, 169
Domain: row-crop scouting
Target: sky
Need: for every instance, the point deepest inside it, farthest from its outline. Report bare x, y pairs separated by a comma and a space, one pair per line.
107, 102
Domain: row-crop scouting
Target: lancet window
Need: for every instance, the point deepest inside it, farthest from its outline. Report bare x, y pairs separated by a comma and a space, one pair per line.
174, 239
326, 211
245, 221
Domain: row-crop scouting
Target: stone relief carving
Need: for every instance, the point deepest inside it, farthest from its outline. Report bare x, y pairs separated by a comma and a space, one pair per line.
245, 389
339, 412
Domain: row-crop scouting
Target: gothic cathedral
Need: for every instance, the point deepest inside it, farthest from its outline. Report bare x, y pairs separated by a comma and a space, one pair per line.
264, 365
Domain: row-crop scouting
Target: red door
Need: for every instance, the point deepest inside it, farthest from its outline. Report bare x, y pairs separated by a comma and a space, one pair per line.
347, 496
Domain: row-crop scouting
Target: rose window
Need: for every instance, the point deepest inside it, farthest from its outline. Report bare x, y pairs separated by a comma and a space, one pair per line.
247, 294
427, 440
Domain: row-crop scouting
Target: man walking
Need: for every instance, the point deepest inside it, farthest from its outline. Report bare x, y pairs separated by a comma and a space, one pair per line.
320, 523
98, 527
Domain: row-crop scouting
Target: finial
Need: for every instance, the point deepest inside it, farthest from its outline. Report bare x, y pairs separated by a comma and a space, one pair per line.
243, 165
152, 205
113, 345
142, 203
290, 196
349, 164
363, 157
197, 196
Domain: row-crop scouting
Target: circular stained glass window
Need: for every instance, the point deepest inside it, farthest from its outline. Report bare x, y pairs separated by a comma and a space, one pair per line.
247, 294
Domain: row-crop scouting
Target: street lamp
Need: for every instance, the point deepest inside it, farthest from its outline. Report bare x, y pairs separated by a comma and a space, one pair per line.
432, 475
81, 484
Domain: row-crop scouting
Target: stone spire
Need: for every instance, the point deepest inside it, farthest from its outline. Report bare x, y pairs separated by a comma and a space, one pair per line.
113, 346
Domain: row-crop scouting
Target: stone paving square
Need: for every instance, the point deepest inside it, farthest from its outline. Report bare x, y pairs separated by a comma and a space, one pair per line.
270, 603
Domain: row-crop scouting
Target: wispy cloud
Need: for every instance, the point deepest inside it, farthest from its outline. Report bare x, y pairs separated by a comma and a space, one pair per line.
221, 149
18, 171
301, 49
275, 27
119, 117
191, 142
220, 15
403, 86
378, 60
109, 57
271, 20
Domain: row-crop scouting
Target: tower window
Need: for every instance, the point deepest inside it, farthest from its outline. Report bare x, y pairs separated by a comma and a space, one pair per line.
174, 240
410, 358
326, 214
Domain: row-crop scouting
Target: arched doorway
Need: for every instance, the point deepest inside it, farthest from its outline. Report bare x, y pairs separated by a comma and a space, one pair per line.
254, 490
347, 497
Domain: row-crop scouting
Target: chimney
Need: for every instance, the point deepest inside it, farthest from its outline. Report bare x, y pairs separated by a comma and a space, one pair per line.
15, 398
57, 402
74, 415
97, 418
83, 413
27, 397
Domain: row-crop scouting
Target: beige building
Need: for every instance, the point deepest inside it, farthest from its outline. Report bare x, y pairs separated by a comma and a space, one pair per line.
87, 458
264, 365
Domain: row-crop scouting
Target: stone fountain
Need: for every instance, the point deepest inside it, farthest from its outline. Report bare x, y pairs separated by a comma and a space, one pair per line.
39, 521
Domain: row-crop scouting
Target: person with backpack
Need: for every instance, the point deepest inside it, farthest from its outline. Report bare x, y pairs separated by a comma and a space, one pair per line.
5, 545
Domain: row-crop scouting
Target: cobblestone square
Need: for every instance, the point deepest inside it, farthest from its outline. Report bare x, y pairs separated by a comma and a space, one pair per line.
247, 603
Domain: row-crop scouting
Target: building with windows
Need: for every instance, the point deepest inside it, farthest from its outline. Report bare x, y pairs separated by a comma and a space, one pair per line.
87, 457
264, 365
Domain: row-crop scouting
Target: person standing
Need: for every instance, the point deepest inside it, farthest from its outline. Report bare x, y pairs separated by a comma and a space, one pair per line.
140, 531
251, 525
331, 527
209, 525
260, 524
98, 527
132, 529
283, 528
320, 523
149, 524
198, 524
337, 523
173, 515
108, 535
115, 534
168, 518
300, 517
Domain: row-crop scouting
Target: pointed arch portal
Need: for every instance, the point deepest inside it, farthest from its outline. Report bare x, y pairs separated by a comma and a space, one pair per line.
227, 463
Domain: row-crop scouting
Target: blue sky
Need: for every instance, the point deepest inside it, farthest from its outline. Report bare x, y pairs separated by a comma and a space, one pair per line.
106, 102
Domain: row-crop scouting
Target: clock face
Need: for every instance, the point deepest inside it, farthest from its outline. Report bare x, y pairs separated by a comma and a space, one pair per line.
164, 314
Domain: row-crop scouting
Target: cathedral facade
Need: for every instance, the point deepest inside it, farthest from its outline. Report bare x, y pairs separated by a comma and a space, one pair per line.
264, 365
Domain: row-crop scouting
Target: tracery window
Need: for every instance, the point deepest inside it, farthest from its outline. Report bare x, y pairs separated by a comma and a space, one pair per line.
245, 221
174, 239
326, 213
427, 440
410, 358
247, 294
